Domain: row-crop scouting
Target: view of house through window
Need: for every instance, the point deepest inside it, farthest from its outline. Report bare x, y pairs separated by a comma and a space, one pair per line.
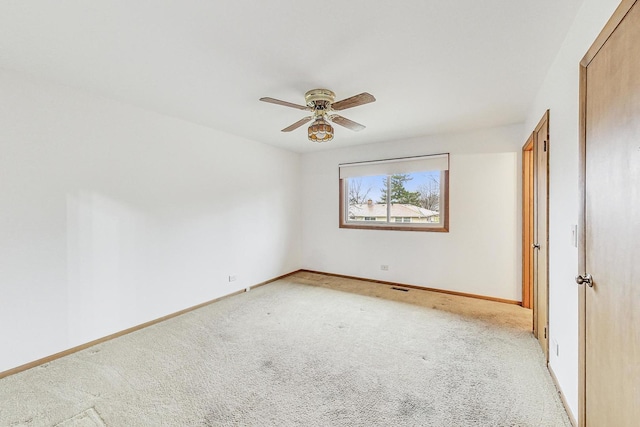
395, 194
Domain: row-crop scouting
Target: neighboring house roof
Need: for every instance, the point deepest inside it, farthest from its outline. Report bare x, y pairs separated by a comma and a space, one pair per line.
397, 210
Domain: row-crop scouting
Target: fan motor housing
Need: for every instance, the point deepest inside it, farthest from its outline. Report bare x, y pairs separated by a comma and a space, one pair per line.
319, 99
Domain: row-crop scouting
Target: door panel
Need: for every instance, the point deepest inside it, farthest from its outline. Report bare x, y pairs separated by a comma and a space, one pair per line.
540, 227
612, 230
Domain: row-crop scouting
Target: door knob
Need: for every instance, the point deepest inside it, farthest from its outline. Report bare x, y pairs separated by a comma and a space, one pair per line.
584, 278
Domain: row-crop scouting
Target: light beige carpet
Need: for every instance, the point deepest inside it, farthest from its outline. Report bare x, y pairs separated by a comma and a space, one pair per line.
308, 350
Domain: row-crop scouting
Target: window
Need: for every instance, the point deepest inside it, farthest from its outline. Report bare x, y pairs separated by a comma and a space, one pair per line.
402, 219
408, 194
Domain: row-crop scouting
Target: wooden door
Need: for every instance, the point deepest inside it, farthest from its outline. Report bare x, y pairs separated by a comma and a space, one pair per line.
541, 234
610, 245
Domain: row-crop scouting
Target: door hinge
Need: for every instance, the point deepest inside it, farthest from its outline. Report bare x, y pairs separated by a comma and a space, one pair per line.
545, 332
545, 145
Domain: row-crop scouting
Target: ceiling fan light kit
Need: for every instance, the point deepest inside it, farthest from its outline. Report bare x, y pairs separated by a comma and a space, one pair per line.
321, 103
320, 131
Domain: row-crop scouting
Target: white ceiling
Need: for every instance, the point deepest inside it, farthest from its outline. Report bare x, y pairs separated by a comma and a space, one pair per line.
434, 66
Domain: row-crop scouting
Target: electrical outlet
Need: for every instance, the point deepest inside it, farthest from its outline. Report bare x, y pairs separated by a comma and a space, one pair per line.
555, 347
232, 278
574, 235
384, 267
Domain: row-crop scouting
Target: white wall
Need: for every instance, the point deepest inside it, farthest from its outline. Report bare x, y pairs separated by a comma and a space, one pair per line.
481, 253
111, 216
559, 93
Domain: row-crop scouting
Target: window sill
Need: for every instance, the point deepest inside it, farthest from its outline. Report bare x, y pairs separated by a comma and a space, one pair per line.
436, 229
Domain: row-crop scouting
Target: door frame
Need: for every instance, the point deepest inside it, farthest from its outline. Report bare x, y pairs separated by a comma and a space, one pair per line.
527, 222
611, 25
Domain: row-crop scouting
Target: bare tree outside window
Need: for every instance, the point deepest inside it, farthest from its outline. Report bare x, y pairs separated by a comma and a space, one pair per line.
358, 192
429, 192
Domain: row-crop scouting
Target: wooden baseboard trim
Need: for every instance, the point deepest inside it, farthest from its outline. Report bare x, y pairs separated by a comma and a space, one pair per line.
572, 418
257, 285
84, 346
422, 288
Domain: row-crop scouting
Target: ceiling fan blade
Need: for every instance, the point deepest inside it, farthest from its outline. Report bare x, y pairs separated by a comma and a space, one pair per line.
297, 124
285, 103
349, 124
354, 101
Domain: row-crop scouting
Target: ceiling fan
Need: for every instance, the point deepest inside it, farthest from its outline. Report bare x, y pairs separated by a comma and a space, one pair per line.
320, 102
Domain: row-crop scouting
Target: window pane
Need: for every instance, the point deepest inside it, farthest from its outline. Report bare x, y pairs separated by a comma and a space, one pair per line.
415, 198
364, 199
426, 186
